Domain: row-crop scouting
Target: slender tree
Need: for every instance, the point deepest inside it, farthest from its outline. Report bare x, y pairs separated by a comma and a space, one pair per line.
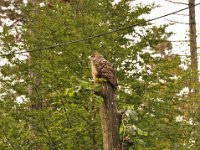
193, 44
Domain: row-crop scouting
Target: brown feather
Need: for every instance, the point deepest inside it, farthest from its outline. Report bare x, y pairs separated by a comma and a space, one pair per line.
101, 68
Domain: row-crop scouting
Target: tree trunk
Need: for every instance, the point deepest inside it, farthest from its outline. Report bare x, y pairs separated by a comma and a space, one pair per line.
194, 77
109, 119
193, 44
35, 103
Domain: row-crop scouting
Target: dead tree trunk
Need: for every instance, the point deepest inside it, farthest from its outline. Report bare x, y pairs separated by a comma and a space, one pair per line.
109, 119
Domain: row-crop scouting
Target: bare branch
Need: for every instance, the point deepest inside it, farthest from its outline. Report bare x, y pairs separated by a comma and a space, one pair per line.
177, 22
183, 15
179, 41
48, 133
176, 2
15, 22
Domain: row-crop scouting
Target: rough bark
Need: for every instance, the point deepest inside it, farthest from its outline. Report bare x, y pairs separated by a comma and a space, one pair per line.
193, 43
109, 119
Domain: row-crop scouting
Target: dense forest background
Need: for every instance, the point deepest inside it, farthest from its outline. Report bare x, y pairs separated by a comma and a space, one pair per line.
46, 89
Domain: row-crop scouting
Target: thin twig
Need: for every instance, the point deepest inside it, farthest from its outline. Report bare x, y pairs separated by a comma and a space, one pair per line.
176, 2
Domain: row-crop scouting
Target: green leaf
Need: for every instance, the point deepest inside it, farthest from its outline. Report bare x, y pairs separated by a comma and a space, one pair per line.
69, 92
140, 132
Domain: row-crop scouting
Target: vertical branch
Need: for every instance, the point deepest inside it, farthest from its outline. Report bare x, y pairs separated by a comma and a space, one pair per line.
32, 87
48, 133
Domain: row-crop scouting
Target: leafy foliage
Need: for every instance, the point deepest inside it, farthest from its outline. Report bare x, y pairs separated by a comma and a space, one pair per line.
47, 98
